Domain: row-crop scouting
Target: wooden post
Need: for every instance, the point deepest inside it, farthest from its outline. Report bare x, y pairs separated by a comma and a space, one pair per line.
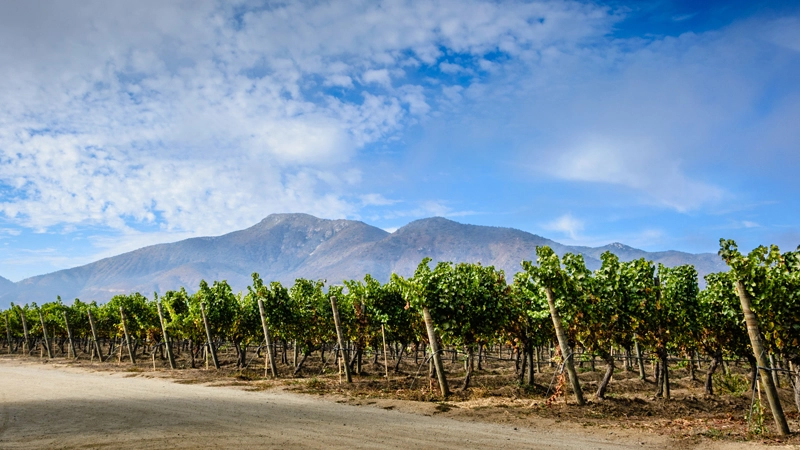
385, 357
166, 340
210, 346
775, 379
639, 360
761, 358
348, 376
127, 337
8, 333
339, 362
71, 349
44, 335
94, 337
563, 343
26, 347
268, 341
437, 359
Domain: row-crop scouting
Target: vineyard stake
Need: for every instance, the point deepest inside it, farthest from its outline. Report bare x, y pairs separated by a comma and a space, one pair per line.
94, 337
127, 337
166, 340
210, 347
758, 349
563, 343
44, 334
385, 360
26, 348
268, 341
69, 336
340, 338
8, 334
339, 362
437, 359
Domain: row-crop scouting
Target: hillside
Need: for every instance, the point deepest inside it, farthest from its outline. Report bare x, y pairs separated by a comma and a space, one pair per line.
6, 286
287, 246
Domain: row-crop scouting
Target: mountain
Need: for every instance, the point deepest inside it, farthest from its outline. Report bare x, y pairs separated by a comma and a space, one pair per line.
284, 247
6, 286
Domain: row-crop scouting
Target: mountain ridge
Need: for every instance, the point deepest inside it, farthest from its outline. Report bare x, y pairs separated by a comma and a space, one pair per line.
283, 247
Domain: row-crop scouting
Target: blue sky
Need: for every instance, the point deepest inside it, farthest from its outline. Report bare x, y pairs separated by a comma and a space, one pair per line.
662, 125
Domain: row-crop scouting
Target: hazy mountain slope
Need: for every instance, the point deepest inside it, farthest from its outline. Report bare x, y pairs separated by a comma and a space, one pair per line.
6, 286
446, 240
287, 246
442, 240
274, 247
705, 263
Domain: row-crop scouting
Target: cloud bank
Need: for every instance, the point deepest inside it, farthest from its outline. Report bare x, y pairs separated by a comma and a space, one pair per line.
159, 120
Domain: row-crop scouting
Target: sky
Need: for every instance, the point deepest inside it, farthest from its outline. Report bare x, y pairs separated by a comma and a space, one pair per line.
661, 125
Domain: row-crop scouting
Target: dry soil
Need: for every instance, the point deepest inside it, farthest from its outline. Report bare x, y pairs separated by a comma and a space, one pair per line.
57, 406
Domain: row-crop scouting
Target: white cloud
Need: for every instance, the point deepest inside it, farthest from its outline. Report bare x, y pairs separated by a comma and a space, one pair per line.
376, 200
201, 118
10, 231
378, 76
567, 225
639, 165
450, 68
424, 209
339, 80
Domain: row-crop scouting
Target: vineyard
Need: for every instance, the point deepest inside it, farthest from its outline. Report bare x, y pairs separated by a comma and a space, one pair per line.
433, 334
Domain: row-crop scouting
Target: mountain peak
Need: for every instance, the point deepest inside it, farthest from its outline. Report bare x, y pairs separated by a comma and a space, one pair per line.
430, 222
287, 217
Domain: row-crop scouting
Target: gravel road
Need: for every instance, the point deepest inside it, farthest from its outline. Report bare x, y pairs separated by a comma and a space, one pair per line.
45, 406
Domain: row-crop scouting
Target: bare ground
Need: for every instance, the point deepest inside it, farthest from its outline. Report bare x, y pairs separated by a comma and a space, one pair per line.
69, 405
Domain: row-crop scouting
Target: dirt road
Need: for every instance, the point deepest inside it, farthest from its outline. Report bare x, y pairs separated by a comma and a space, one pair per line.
56, 407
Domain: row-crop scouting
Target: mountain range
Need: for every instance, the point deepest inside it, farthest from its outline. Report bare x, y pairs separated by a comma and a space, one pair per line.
284, 247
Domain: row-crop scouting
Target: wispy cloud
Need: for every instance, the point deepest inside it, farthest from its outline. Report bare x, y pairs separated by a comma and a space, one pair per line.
637, 164
566, 225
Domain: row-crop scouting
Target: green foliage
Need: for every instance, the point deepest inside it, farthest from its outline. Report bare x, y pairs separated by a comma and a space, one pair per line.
529, 315
772, 280
180, 319
285, 321
679, 305
731, 383
374, 305
469, 303
221, 307
602, 308
314, 325
141, 316
719, 320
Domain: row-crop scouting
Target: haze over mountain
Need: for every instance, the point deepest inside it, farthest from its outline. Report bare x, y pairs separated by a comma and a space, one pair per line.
6, 285
284, 247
